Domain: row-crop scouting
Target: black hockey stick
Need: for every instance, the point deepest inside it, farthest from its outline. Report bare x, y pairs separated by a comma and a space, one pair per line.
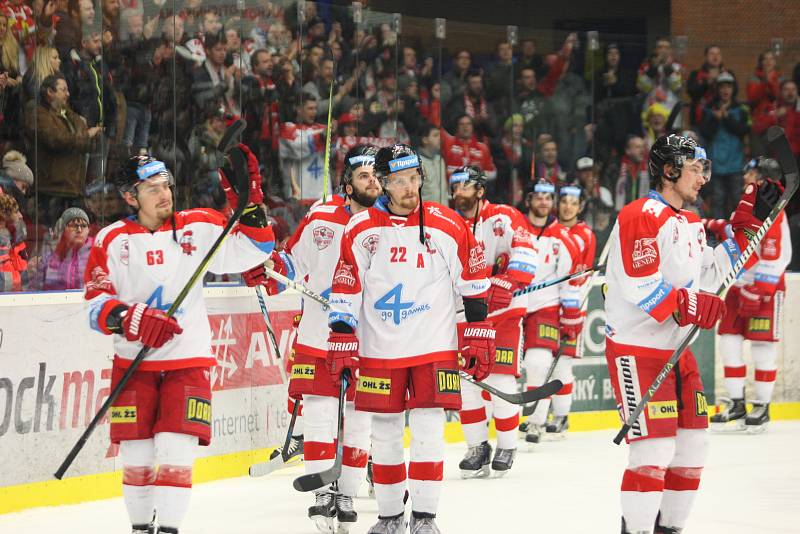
779, 146
228, 141
565, 278
314, 481
264, 468
528, 410
518, 398
673, 116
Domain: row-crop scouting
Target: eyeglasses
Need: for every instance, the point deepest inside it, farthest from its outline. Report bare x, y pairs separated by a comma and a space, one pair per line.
77, 226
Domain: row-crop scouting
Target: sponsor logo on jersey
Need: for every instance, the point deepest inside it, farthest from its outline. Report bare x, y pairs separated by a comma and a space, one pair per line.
477, 259
662, 410
628, 378
759, 324
99, 281
198, 410
124, 252
303, 371
644, 252
549, 332
374, 385
769, 248
123, 414
370, 243
344, 275
701, 404
504, 356
523, 237
448, 381
187, 243
498, 228
323, 236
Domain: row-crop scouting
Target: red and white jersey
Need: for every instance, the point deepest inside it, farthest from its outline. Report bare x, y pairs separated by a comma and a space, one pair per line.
310, 256
130, 264
656, 250
558, 256
458, 153
302, 154
398, 293
584, 238
502, 231
774, 256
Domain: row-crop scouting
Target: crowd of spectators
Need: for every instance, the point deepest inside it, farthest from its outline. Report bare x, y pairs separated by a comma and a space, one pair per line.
85, 83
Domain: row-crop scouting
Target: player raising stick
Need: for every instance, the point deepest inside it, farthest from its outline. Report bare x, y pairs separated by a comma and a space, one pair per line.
136, 268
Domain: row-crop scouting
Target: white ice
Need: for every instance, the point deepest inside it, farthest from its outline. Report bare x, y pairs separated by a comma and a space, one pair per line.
750, 485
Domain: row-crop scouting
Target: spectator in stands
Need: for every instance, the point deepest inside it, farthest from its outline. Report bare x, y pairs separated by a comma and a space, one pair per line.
499, 81
13, 262
547, 165
700, 85
660, 78
16, 180
611, 80
513, 160
10, 82
63, 267
464, 149
599, 202
528, 58
45, 63
214, 82
654, 122
261, 109
435, 187
320, 88
431, 103
104, 205
302, 153
410, 67
206, 160
567, 109
530, 103
763, 89
26, 26
628, 175
386, 112
785, 112
455, 82
111, 10
474, 104
69, 28
724, 125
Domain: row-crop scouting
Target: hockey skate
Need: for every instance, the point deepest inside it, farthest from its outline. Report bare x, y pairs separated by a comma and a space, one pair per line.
143, 528
423, 524
534, 434
395, 524
476, 462
503, 460
731, 418
324, 511
557, 427
660, 529
345, 513
167, 530
757, 420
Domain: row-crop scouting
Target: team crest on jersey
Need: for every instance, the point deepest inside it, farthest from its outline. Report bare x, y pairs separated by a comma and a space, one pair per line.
370, 243
644, 252
187, 243
701, 236
477, 259
498, 229
124, 252
344, 275
323, 236
99, 281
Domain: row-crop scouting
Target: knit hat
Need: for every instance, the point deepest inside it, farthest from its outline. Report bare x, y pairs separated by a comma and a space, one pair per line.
70, 214
14, 166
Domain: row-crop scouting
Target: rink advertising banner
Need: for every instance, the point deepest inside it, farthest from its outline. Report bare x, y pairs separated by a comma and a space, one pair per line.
55, 373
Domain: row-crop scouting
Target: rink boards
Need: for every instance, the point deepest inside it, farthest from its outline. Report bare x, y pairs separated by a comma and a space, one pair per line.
55, 373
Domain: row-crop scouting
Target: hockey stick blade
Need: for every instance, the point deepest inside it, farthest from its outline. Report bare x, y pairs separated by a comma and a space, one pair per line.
525, 397
264, 468
779, 146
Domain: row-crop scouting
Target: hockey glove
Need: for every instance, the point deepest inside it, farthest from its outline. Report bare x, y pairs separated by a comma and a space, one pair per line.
478, 349
696, 307
256, 194
755, 205
149, 325
342, 355
257, 276
571, 321
750, 299
501, 292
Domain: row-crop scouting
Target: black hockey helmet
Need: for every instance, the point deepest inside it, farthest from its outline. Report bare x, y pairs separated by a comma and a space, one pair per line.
469, 174
396, 158
358, 156
137, 169
766, 167
674, 150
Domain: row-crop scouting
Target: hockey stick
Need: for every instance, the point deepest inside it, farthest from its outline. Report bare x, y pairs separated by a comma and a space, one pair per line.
263, 305
264, 468
300, 288
565, 278
779, 145
517, 398
313, 481
327, 158
227, 142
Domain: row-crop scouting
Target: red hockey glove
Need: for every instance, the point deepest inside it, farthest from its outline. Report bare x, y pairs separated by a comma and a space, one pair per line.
571, 321
696, 307
257, 276
718, 227
256, 194
342, 354
750, 299
501, 292
755, 205
478, 349
151, 326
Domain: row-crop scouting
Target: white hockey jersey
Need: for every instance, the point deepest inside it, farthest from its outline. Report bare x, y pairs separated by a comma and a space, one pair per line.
302, 155
774, 255
310, 257
558, 257
398, 293
130, 264
656, 250
508, 246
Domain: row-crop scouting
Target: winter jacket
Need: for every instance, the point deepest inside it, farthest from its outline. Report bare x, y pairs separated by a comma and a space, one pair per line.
724, 137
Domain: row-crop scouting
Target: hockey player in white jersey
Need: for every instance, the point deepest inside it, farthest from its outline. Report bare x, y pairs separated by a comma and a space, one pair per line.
311, 255
393, 288
659, 269
508, 247
754, 313
137, 266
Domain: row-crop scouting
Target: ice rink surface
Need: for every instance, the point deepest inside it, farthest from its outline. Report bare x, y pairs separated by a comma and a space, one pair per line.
751, 485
